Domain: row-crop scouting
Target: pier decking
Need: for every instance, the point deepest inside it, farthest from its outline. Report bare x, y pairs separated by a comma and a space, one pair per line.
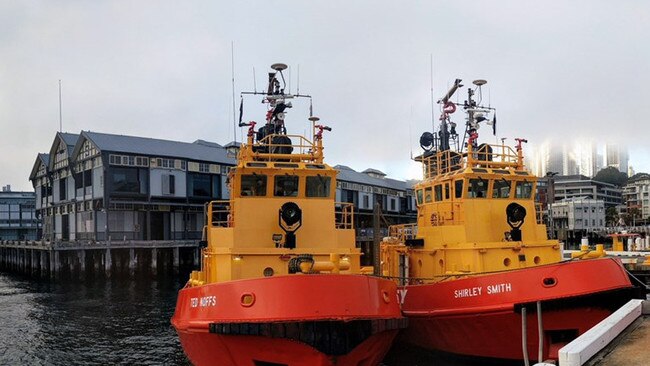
75, 259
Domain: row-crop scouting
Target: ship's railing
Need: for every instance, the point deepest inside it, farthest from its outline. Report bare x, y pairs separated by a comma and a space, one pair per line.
539, 212
344, 215
220, 213
403, 232
486, 156
300, 149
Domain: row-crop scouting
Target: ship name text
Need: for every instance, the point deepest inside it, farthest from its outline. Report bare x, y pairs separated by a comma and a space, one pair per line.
203, 301
479, 291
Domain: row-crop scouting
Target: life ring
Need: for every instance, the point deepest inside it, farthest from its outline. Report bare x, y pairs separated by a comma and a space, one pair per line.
449, 108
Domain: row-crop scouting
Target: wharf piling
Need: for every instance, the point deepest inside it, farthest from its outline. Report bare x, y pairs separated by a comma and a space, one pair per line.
54, 260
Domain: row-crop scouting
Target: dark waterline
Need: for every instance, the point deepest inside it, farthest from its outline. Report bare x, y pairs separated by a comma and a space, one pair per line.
90, 322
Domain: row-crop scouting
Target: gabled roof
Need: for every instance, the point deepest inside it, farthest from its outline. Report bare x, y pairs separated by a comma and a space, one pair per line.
199, 150
41, 158
348, 174
70, 139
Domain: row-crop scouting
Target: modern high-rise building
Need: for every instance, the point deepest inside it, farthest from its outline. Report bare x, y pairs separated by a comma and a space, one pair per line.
553, 157
579, 157
617, 157
586, 156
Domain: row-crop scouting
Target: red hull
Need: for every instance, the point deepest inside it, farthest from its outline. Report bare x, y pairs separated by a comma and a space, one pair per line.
215, 321
480, 316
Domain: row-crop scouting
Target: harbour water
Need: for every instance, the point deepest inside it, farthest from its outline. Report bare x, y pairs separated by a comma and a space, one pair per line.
88, 322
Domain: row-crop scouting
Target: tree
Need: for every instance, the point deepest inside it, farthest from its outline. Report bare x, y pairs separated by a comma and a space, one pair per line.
611, 216
611, 175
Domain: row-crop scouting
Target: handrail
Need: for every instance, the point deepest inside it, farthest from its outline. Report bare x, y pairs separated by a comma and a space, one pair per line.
539, 212
403, 232
344, 215
486, 156
303, 150
221, 213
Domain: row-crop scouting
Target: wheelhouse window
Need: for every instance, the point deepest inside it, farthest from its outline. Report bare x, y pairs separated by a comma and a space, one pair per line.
438, 192
253, 185
458, 188
446, 191
428, 197
524, 190
286, 185
318, 186
501, 188
420, 196
477, 188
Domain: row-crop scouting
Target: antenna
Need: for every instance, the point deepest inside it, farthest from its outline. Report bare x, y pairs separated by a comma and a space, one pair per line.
254, 82
410, 136
60, 110
433, 126
298, 82
232, 59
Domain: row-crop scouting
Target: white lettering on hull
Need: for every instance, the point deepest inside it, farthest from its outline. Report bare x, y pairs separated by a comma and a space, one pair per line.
203, 301
401, 295
478, 291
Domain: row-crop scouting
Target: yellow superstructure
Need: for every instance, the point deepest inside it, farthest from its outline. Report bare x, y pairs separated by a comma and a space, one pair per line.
464, 204
281, 212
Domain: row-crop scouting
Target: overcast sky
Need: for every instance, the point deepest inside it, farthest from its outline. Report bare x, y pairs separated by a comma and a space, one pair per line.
555, 70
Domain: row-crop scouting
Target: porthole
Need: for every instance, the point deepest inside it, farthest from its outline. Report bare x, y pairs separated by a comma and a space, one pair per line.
268, 272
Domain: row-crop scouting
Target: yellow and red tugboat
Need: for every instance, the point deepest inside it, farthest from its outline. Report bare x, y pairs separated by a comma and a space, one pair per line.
478, 267
280, 281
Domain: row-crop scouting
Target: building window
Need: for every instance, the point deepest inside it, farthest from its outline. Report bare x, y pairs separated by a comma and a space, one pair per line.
62, 189
392, 204
366, 201
126, 180
168, 184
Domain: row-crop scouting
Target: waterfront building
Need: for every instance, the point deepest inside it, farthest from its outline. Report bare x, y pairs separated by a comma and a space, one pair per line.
577, 217
637, 195
573, 186
17, 215
97, 186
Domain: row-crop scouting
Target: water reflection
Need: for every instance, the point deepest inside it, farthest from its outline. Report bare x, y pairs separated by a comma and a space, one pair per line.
96, 322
